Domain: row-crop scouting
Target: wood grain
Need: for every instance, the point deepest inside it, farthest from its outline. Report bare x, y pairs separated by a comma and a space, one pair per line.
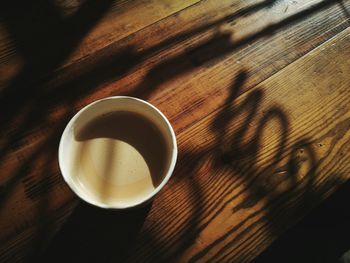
247, 180
261, 118
115, 24
208, 59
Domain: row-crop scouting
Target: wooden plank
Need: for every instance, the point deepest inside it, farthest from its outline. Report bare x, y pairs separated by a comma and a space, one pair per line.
187, 85
118, 19
257, 164
204, 55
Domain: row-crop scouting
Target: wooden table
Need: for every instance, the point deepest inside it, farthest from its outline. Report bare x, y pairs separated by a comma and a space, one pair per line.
258, 93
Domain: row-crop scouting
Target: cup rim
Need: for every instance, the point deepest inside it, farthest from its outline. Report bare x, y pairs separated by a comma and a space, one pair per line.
147, 198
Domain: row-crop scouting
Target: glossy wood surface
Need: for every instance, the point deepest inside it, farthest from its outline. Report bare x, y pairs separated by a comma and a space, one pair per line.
258, 93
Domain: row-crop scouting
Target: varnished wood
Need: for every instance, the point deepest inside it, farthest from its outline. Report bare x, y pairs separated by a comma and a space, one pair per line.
113, 25
258, 95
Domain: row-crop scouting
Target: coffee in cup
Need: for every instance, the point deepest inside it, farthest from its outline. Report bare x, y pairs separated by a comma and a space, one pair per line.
117, 152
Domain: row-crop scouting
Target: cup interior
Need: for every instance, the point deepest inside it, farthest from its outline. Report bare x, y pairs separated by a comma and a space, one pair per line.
117, 152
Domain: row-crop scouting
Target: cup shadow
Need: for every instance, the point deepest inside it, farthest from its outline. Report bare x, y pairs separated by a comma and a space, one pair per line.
93, 234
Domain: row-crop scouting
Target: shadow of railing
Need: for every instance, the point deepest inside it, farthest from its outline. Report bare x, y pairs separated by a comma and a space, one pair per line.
44, 39
286, 193
28, 111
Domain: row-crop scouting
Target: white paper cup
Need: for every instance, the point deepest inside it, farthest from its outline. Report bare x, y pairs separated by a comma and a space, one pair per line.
76, 169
